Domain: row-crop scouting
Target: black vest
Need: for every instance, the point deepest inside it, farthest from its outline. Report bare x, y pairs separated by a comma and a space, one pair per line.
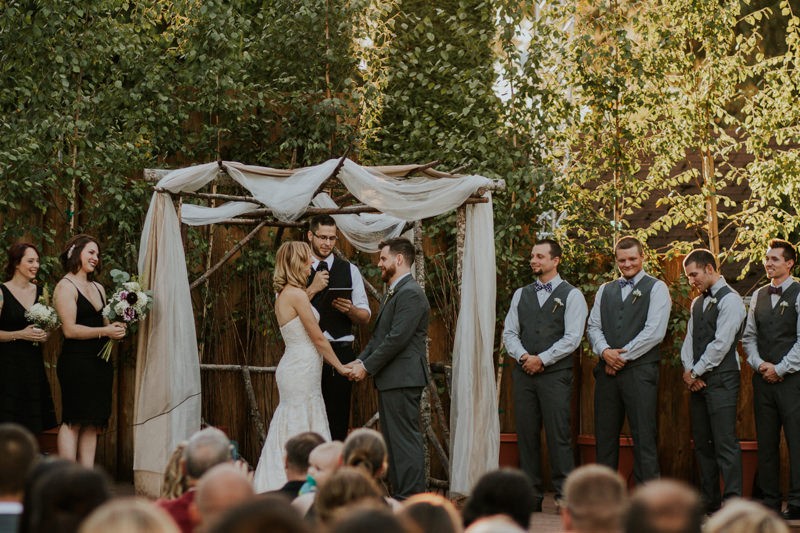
336, 324
541, 326
622, 321
704, 327
777, 331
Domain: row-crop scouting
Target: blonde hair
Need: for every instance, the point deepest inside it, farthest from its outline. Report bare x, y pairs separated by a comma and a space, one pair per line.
129, 515
174, 484
291, 265
742, 516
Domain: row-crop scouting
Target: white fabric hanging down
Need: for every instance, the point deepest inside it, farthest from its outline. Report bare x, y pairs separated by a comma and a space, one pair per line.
167, 401
474, 420
172, 344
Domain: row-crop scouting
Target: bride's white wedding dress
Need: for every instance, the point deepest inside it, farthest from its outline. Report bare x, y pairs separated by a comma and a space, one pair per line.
300, 406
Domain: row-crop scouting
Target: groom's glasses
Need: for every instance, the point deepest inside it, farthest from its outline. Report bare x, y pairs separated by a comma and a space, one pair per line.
324, 237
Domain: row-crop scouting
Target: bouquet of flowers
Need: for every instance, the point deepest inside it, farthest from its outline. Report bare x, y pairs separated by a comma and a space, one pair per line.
42, 315
129, 304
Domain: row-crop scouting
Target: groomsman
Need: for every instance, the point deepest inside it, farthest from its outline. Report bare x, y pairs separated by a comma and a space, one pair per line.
626, 326
543, 327
711, 373
337, 324
773, 350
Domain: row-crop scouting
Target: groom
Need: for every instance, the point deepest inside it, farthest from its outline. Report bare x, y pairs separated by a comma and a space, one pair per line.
395, 357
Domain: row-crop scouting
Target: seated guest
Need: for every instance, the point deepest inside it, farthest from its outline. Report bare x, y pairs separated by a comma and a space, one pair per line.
432, 513
595, 500
506, 491
743, 516
174, 484
298, 449
206, 448
371, 518
18, 453
499, 523
322, 462
64, 496
129, 515
266, 513
365, 448
346, 487
665, 506
39, 470
223, 487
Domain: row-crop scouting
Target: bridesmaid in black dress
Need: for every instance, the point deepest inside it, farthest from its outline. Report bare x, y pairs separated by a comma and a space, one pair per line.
24, 390
85, 379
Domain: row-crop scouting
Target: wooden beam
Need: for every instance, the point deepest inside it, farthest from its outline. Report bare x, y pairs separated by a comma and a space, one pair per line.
239, 368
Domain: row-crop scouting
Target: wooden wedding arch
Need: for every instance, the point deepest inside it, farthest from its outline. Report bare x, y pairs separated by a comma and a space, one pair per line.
348, 204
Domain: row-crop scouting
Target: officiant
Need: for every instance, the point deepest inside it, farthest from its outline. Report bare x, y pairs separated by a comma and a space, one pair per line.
338, 315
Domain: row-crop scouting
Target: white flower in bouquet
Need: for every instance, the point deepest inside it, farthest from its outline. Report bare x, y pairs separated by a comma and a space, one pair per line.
42, 315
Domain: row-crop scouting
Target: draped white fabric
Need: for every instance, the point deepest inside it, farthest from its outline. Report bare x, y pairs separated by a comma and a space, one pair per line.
167, 401
171, 344
474, 423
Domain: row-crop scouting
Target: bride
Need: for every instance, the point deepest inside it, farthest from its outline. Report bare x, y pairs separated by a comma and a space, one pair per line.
300, 407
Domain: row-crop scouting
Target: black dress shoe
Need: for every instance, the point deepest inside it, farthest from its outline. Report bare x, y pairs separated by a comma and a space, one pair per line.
792, 512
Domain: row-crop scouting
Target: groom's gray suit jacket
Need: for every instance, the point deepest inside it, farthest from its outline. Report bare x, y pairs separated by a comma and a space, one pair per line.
395, 355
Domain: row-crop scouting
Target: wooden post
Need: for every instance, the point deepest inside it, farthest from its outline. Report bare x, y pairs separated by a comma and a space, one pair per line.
425, 404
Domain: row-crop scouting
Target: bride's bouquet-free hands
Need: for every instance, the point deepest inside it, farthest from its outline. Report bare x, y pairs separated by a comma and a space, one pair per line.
129, 304
42, 315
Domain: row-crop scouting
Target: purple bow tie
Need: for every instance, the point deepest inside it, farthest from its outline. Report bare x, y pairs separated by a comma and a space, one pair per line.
775, 290
625, 283
543, 286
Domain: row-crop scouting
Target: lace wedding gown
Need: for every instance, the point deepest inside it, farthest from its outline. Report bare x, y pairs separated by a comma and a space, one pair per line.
300, 407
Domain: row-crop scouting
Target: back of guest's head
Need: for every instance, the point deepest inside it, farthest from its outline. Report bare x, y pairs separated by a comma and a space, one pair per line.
206, 448
221, 488
265, 513
432, 514
499, 523
743, 516
299, 447
664, 506
371, 518
595, 499
174, 484
129, 515
506, 491
40, 469
18, 453
345, 487
291, 265
365, 448
63, 497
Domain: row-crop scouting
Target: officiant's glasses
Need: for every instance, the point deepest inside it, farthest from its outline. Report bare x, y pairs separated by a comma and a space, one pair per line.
330, 239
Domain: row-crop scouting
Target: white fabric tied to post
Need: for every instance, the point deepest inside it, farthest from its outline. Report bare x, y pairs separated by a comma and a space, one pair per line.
168, 345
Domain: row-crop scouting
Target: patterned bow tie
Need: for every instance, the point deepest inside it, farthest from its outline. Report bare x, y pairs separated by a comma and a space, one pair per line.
775, 290
543, 286
625, 283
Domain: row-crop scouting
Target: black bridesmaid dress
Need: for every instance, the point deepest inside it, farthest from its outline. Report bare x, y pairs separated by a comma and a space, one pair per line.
25, 397
86, 380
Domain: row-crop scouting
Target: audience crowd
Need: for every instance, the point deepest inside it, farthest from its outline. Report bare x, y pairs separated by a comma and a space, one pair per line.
338, 488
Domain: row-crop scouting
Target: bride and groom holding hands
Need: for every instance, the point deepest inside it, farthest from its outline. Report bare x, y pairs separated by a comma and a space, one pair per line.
316, 326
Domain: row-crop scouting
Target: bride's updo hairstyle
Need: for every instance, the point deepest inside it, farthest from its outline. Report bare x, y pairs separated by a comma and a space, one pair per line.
365, 448
291, 265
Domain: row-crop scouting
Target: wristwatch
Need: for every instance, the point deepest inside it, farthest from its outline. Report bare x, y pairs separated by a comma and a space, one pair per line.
693, 375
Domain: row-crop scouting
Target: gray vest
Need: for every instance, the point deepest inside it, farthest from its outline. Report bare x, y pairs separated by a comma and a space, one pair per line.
777, 331
704, 327
622, 321
541, 327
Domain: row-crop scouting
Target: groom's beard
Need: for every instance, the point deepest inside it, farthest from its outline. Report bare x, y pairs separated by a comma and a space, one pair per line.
387, 273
